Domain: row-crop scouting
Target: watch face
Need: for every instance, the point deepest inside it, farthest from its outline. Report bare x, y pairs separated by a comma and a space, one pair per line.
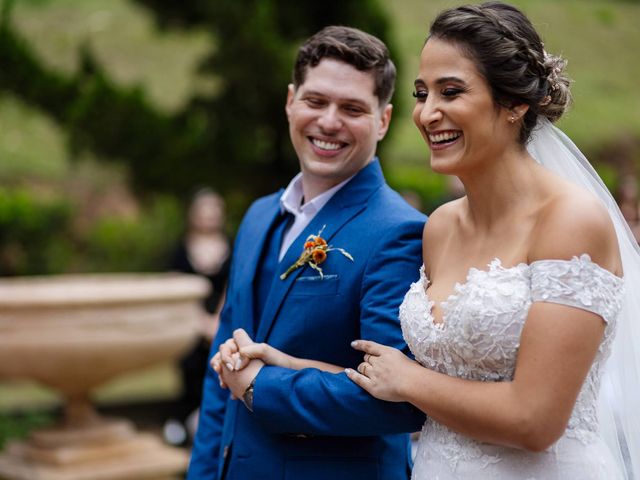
247, 397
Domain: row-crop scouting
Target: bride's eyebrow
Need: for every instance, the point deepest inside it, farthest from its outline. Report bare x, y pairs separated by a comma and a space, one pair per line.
449, 79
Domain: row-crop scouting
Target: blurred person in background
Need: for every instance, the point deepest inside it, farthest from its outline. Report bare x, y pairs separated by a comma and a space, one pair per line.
204, 249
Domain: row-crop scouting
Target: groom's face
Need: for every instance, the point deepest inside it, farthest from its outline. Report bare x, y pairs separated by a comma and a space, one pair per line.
335, 122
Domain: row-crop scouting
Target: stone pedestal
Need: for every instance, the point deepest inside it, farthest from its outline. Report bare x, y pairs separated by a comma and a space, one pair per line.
106, 454
72, 333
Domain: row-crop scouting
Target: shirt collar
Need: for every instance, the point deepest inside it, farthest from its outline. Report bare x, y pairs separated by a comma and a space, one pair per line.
291, 199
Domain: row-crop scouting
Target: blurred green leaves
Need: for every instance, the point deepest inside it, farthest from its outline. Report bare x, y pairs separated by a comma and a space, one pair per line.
45, 235
233, 138
32, 233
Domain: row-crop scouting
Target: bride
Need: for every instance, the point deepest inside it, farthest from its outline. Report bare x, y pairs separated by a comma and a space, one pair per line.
516, 309
521, 293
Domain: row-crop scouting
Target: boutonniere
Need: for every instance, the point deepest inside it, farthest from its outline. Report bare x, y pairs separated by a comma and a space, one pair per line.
314, 253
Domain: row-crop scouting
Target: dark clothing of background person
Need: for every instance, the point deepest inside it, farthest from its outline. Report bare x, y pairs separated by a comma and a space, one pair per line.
193, 364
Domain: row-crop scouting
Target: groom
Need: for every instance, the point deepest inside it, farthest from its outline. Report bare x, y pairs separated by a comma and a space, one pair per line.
309, 424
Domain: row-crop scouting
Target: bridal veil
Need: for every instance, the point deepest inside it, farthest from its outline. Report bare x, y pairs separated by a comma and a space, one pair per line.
619, 406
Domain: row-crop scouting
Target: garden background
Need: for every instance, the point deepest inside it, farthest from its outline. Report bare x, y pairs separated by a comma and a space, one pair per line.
112, 112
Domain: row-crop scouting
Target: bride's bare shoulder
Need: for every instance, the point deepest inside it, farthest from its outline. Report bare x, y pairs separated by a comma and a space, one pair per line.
571, 223
440, 223
442, 217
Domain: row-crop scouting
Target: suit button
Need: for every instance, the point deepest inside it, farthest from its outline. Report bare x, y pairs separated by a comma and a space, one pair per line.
225, 452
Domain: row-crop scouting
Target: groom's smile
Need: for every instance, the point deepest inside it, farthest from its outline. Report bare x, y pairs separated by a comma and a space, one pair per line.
327, 148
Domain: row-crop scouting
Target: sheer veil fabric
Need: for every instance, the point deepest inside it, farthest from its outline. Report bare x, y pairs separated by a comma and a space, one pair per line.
619, 406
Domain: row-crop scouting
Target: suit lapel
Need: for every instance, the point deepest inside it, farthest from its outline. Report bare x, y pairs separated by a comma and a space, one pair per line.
347, 203
255, 235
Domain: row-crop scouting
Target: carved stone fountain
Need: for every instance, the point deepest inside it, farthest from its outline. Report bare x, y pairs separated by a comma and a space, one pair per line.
72, 333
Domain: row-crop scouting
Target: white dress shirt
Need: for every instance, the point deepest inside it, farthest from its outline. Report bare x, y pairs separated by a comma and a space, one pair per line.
291, 201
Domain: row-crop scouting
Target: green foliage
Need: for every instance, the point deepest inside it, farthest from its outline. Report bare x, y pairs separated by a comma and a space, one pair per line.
33, 233
234, 138
117, 123
129, 245
14, 427
230, 131
431, 189
38, 236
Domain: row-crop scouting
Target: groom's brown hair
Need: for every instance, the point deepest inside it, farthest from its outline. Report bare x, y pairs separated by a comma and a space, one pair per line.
354, 47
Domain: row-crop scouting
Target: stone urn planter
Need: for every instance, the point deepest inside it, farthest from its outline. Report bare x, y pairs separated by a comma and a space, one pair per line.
73, 333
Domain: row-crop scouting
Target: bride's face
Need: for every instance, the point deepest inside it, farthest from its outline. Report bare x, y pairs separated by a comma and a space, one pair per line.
455, 111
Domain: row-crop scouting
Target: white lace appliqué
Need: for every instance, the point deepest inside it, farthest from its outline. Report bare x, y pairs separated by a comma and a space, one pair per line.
479, 336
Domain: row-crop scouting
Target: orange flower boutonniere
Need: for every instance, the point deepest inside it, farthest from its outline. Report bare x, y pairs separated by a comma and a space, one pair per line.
314, 253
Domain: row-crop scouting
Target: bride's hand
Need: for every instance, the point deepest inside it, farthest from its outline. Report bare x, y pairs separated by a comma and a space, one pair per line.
228, 355
383, 371
268, 354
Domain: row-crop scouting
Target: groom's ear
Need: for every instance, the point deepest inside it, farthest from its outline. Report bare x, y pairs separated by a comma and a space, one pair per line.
291, 93
385, 120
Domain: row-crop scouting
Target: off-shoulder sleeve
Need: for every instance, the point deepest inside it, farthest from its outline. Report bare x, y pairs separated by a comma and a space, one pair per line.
579, 283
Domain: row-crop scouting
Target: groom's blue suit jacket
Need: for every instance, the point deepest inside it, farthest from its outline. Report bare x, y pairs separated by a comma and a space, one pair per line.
308, 424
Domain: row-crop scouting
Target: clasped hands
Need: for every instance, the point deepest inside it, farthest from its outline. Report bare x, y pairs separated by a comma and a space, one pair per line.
239, 360
236, 369
383, 373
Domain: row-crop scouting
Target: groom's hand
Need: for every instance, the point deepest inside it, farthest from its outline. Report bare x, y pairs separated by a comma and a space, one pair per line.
236, 371
238, 380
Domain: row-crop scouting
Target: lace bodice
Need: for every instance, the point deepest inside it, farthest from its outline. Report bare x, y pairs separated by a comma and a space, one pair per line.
479, 335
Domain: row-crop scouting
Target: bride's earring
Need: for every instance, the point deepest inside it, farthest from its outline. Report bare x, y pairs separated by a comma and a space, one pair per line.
517, 112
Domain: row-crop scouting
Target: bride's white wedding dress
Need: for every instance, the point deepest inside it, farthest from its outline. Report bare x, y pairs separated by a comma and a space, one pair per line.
478, 339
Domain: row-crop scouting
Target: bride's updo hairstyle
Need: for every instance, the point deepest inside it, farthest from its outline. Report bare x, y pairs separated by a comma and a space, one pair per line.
509, 53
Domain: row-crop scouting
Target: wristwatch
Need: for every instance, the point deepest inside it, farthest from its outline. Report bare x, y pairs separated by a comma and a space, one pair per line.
247, 396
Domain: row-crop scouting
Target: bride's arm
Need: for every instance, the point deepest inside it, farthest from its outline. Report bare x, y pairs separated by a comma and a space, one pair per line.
530, 412
557, 347
273, 356
270, 356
